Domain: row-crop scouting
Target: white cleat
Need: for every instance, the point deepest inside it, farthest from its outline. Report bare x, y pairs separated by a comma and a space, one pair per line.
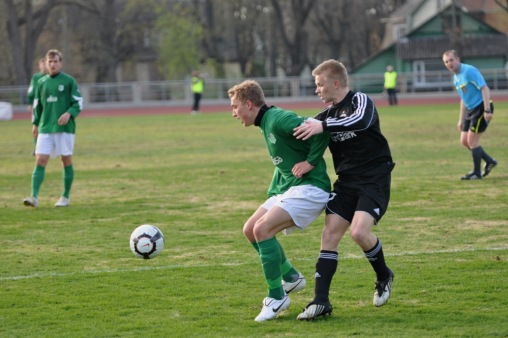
62, 202
31, 202
272, 307
295, 286
314, 310
383, 290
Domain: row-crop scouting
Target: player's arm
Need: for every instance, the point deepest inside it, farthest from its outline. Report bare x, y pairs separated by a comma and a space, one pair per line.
362, 117
318, 145
76, 104
30, 94
36, 112
486, 103
76, 101
462, 115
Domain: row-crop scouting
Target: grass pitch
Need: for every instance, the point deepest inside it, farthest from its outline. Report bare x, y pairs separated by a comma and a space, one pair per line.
69, 272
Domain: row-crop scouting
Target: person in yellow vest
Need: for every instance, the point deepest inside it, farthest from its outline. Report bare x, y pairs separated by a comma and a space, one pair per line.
391, 85
197, 86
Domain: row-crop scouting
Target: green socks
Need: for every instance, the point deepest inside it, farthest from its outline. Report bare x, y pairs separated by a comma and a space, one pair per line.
270, 259
37, 178
289, 273
68, 178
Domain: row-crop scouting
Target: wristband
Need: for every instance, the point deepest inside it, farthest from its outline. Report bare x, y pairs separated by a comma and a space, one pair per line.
487, 111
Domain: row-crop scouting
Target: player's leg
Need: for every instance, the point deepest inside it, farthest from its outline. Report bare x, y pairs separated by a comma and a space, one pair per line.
326, 266
272, 222
372, 205
299, 206
339, 212
44, 146
473, 138
265, 229
64, 146
293, 281
361, 232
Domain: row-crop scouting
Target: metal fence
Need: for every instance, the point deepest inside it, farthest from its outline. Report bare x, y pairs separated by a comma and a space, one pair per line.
178, 92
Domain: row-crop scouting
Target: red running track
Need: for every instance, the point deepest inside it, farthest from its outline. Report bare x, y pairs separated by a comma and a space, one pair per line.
287, 104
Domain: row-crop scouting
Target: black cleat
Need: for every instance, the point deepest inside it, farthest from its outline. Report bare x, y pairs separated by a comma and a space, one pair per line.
383, 290
471, 176
489, 167
314, 310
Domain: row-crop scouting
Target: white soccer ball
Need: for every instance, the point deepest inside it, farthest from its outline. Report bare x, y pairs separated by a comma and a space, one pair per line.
147, 241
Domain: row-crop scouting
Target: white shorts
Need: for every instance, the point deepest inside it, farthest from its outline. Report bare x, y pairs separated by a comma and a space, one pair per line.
304, 203
55, 144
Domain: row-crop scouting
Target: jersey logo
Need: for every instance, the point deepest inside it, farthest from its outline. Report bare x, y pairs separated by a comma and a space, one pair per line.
60, 88
271, 138
277, 160
343, 136
52, 98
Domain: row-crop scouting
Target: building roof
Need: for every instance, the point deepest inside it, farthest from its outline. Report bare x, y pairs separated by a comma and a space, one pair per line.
433, 47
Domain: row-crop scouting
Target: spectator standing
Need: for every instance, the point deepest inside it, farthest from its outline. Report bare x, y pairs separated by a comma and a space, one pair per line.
197, 87
391, 85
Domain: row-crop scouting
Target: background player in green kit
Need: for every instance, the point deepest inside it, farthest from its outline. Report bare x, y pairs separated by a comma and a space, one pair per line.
57, 102
296, 196
31, 88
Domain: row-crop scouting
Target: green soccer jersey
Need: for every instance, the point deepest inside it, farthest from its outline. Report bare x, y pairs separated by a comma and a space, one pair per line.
31, 89
285, 151
54, 96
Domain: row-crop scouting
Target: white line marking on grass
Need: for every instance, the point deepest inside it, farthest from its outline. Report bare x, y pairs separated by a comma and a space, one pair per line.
179, 266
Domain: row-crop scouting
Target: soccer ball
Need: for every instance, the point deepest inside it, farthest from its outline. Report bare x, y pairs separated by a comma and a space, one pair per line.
147, 241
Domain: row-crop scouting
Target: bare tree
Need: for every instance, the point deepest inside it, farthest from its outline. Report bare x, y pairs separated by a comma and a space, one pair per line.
24, 26
291, 17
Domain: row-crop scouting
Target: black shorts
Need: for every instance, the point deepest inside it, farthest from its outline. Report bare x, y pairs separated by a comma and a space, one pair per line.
475, 121
370, 194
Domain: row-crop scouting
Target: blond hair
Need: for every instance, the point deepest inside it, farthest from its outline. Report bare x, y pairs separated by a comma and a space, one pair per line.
334, 70
248, 90
52, 53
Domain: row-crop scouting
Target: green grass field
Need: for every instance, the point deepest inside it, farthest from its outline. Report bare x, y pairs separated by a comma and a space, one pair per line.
69, 272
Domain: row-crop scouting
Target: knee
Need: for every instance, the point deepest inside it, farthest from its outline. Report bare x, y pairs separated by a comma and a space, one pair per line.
358, 235
248, 231
259, 232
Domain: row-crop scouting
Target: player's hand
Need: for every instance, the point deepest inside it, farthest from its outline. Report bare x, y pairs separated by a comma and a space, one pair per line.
488, 117
301, 169
306, 130
459, 126
35, 131
62, 121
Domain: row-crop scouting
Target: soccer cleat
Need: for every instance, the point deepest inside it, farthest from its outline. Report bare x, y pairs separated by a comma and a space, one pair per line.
62, 202
31, 201
488, 167
383, 290
471, 176
295, 286
314, 310
272, 307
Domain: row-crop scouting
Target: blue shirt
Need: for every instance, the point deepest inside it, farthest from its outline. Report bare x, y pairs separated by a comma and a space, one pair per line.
469, 82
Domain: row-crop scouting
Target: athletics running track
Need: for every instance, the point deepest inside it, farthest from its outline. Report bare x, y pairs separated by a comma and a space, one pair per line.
294, 104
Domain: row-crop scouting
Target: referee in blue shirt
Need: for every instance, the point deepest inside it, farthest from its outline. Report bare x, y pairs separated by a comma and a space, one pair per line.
476, 111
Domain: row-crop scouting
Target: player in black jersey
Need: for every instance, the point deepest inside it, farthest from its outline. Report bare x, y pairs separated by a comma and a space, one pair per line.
363, 163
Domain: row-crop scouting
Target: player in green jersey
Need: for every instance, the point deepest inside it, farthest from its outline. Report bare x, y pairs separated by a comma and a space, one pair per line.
57, 103
296, 196
31, 88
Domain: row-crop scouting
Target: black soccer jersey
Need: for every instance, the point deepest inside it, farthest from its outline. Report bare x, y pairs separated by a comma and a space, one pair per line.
356, 144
